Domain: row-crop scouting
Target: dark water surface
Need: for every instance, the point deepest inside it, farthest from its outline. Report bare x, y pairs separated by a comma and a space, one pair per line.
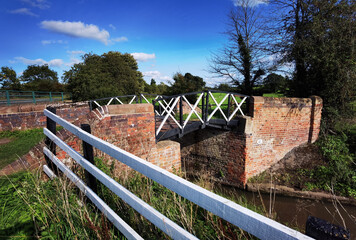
294, 212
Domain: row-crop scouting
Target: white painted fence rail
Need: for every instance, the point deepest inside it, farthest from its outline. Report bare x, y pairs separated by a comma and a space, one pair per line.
256, 224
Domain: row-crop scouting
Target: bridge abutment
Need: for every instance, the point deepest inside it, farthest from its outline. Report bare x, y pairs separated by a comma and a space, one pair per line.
275, 126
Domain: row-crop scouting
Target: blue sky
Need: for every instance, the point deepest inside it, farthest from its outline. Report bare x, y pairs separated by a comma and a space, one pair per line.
165, 36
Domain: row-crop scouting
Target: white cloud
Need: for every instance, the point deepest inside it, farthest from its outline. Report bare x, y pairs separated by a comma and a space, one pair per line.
156, 75
55, 63
112, 26
76, 52
73, 57
27, 61
46, 42
77, 29
119, 39
40, 61
23, 11
41, 4
73, 61
250, 3
143, 57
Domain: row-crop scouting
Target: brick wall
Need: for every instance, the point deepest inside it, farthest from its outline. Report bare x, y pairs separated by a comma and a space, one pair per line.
216, 154
130, 127
22, 117
275, 127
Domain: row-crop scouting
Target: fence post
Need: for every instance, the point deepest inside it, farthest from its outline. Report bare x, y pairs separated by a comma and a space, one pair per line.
228, 106
51, 126
8, 97
89, 155
181, 111
50, 96
62, 96
207, 108
33, 97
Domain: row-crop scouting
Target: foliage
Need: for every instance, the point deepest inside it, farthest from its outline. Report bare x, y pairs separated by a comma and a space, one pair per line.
9, 80
186, 83
241, 60
191, 217
274, 83
340, 172
40, 78
55, 209
318, 38
110, 74
224, 87
33, 208
21, 143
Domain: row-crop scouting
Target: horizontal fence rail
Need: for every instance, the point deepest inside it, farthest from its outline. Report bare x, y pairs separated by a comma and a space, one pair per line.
239, 216
10, 97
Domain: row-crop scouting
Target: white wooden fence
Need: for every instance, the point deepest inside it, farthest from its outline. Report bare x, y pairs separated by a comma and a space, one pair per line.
256, 224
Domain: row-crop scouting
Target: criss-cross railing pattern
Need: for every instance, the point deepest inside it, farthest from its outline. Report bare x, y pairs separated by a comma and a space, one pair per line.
174, 114
125, 99
180, 114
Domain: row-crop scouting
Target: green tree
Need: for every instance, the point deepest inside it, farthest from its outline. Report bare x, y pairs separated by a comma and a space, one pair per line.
275, 83
186, 83
153, 86
241, 60
162, 88
40, 78
319, 39
224, 87
8, 79
109, 74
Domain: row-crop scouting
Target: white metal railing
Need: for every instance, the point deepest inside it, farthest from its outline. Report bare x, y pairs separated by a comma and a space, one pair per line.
234, 101
130, 100
239, 216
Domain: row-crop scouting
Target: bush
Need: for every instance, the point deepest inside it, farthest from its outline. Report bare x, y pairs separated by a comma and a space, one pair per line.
340, 173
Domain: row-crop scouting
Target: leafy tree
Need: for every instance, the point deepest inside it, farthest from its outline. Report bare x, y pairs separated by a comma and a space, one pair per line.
161, 88
9, 80
110, 74
242, 59
224, 87
318, 38
40, 78
275, 83
185, 84
153, 86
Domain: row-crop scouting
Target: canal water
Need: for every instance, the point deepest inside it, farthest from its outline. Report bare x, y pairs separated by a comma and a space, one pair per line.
294, 212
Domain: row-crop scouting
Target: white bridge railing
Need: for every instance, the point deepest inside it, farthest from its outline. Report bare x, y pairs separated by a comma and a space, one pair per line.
208, 107
125, 99
256, 224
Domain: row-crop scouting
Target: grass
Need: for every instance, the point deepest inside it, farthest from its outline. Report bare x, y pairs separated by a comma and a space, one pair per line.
21, 143
277, 95
33, 208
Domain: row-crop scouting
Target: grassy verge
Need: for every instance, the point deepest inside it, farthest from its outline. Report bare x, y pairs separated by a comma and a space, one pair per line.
20, 143
31, 208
